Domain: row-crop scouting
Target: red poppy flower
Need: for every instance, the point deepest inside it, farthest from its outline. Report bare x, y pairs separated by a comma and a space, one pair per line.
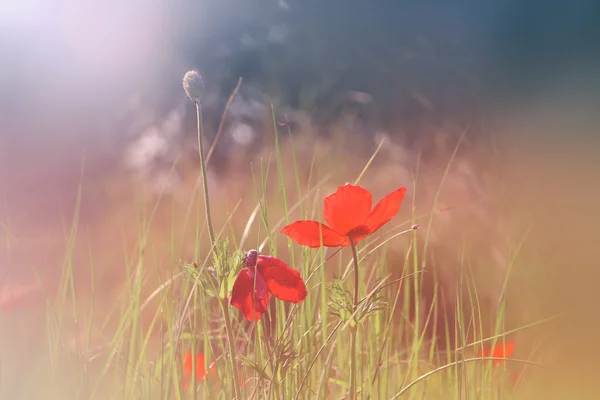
348, 215
264, 275
500, 350
200, 368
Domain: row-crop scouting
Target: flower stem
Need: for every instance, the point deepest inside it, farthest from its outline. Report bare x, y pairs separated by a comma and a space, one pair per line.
355, 259
236, 382
353, 328
211, 232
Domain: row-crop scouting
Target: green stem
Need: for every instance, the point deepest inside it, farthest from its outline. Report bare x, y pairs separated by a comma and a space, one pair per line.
236, 382
211, 231
355, 259
353, 363
354, 329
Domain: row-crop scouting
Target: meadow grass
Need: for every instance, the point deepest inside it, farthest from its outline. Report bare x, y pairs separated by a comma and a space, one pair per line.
311, 350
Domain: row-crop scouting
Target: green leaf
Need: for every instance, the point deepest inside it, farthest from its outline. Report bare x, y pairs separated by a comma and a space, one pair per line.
255, 366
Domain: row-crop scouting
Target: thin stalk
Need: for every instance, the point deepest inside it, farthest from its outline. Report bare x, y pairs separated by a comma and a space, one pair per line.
211, 231
236, 382
353, 363
355, 259
354, 329
224, 303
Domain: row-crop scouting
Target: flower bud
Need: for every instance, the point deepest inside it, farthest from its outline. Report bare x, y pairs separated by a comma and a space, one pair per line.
194, 86
251, 259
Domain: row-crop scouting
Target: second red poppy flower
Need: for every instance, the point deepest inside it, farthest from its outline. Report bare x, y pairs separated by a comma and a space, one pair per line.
348, 215
263, 276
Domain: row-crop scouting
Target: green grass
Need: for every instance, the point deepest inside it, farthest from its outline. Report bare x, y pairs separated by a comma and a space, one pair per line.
166, 306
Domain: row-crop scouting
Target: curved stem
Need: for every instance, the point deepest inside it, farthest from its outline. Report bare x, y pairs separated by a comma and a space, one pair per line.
211, 232
354, 329
355, 259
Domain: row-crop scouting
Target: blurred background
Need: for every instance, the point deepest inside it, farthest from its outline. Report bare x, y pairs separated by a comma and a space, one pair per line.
91, 92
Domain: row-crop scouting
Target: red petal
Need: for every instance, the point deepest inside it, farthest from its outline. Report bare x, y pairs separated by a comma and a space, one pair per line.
498, 351
241, 295
282, 281
187, 365
503, 351
347, 208
200, 368
12, 297
308, 233
385, 210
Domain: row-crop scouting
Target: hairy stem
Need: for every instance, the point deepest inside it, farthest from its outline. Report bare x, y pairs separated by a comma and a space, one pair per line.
211, 232
236, 382
353, 363
355, 259
354, 329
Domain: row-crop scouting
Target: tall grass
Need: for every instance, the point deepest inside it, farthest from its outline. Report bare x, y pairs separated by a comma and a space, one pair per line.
166, 308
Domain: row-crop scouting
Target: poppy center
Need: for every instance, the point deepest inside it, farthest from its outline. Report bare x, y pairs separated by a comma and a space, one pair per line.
359, 231
251, 258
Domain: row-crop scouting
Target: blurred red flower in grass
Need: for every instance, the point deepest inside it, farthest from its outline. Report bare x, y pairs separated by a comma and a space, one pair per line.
12, 297
348, 215
188, 369
261, 276
500, 350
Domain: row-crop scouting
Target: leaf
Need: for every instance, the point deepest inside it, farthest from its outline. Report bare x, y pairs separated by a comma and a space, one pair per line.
371, 306
253, 365
341, 302
206, 278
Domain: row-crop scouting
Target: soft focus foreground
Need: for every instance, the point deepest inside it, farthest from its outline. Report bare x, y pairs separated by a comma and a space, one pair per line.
484, 285
95, 303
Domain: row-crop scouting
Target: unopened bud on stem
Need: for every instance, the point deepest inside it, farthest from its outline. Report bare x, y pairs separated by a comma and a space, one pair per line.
194, 86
